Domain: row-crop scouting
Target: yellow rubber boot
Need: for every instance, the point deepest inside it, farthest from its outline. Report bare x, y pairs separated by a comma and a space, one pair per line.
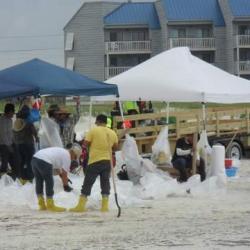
81, 206
52, 207
105, 204
41, 203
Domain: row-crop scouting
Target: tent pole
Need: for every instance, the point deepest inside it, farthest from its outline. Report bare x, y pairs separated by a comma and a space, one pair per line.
90, 112
204, 118
121, 110
167, 109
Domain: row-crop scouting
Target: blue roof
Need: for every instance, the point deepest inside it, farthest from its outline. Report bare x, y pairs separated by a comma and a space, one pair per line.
240, 8
194, 10
37, 76
134, 13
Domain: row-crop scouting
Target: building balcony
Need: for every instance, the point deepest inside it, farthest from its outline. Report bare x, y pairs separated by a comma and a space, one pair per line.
242, 68
113, 71
193, 43
242, 41
125, 47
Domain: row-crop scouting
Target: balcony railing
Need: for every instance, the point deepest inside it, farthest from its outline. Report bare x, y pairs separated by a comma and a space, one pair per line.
113, 71
128, 46
242, 67
193, 43
243, 41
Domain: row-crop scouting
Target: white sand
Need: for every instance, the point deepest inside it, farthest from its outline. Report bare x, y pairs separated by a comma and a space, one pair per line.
209, 219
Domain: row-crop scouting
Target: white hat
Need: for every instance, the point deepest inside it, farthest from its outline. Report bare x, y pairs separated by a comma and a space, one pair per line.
77, 150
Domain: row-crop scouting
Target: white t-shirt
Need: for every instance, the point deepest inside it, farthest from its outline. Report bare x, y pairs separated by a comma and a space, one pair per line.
58, 157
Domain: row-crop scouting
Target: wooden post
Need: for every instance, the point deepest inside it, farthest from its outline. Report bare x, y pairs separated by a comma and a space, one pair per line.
194, 158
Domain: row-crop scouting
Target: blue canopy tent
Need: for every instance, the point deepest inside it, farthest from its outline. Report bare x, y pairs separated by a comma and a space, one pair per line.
13, 90
39, 77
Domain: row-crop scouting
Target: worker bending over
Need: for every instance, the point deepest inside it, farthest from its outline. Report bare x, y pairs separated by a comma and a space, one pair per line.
48, 162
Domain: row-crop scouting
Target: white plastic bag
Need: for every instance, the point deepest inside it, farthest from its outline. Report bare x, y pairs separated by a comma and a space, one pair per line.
205, 151
132, 159
49, 134
161, 153
82, 126
136, 166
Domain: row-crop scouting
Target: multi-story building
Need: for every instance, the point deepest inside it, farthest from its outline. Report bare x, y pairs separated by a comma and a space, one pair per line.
104, 39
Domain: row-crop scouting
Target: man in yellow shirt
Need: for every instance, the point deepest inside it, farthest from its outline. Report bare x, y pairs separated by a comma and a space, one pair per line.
101, 141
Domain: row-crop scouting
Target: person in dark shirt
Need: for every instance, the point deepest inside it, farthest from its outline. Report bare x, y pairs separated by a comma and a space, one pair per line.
182, 158
25, 136
8, 150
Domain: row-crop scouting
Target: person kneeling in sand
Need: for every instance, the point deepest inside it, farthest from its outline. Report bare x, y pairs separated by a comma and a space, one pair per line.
48, 162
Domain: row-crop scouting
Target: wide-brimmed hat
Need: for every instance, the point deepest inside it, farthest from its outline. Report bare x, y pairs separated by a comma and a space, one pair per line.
55, 109
62, 111
19, 124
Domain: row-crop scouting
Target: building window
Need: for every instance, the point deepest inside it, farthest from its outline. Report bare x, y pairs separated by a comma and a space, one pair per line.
244, 54
113, 61
70, 63
69, 41
113, 36
205, 56
128, 35
143, 58
190, 32
244, 30
177, 33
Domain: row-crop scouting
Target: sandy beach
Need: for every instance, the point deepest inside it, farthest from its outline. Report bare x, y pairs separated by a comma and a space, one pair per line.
217, 221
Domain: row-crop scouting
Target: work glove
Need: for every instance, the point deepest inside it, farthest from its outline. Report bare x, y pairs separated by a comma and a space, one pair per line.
67, 188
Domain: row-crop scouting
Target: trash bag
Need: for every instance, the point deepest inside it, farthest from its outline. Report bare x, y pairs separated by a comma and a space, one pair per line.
132, 159
34, 116
49, 134
136, 166
82, 126
205, 151
161, 153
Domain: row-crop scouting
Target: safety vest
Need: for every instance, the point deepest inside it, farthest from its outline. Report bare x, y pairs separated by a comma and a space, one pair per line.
109, 122
128, 105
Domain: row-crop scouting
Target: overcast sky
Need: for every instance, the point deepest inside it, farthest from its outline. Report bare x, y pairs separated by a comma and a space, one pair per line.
33, 28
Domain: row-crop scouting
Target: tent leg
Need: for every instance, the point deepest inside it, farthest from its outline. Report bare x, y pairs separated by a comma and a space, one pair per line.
121, 110
167, 110
90, 113
204, 118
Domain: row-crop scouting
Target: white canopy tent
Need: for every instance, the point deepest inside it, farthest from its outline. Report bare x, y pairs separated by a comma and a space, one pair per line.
178, 76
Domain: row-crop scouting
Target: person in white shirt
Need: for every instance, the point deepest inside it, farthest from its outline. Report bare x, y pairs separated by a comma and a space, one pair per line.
48, 162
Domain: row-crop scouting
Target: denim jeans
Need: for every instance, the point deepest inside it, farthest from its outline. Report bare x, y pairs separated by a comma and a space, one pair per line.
184, 163
43, 172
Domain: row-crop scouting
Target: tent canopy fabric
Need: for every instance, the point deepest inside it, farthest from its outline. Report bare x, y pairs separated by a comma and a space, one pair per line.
178, 76
48, 79
14, 90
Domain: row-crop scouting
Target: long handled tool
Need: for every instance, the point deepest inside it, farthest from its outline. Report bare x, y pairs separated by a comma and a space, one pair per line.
113, 178
114, 185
